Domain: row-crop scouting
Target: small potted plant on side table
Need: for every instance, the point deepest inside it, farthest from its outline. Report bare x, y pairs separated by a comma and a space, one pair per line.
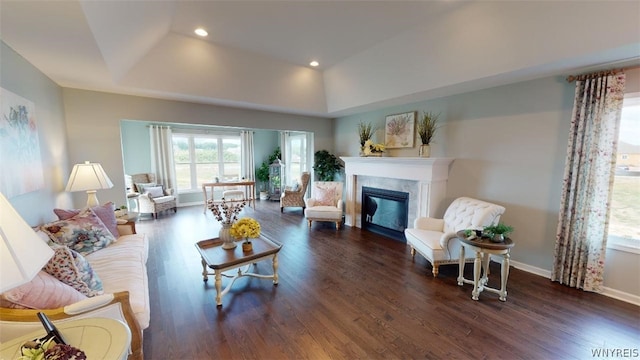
497, 233
246, 228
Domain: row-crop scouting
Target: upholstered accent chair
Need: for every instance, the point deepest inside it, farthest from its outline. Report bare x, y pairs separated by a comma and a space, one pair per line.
436, 240
153, 197
294, 197
325, 203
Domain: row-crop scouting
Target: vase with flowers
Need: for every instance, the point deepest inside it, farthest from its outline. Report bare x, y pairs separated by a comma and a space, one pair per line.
227, 214
427, 126
367, 146
246, 228
372, 149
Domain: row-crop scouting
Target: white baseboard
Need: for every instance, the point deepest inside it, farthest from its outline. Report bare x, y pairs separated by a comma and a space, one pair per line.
612, 293
619, 295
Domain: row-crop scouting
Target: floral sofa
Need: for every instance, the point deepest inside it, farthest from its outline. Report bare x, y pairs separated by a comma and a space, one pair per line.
98, 270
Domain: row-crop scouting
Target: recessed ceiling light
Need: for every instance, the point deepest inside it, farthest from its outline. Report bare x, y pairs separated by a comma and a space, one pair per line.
201, 32
314, 63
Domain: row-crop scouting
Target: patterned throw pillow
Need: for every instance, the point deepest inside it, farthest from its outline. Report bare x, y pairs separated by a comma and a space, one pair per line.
84, 233
325, 196
43, 292
105, 212
74, 270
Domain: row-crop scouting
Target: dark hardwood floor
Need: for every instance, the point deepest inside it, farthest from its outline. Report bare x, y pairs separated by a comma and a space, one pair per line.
352, 294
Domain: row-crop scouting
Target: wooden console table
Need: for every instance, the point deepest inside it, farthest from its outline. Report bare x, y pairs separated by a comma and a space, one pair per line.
249, 191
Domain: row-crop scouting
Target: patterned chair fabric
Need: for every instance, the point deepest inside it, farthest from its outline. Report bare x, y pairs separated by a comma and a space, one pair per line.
149, 201
436, 239
325, 203
295, 197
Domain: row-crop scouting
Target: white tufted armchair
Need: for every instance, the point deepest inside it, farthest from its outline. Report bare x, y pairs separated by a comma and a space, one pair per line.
325, 203
436, 240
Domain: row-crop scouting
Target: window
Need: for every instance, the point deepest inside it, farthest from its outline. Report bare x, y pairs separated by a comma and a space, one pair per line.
298, 157
201, 158
624, 224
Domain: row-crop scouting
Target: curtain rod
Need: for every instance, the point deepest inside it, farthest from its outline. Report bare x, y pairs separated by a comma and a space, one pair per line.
572, 78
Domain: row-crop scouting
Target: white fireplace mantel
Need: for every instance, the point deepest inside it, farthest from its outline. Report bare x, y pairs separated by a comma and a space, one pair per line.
431, 175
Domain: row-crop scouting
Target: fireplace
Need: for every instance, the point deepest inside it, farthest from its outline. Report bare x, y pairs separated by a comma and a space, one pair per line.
385, 212
424, 179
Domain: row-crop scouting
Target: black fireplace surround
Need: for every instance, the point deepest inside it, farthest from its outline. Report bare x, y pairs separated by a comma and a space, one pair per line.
385, 212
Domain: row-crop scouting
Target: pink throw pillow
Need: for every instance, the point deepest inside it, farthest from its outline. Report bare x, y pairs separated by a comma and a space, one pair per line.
325, 196
43, 292
73, 269
105, 212
84, 233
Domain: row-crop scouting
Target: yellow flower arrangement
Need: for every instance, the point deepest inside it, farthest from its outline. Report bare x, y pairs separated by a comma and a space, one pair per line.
369, 148
245, 228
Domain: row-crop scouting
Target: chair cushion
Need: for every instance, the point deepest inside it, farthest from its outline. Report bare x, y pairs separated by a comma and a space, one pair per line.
163, 199
426, 242
323, 212
122, 267
325, 196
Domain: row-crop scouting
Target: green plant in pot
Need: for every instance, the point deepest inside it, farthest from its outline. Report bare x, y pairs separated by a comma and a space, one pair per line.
262, 173
427, 126
326, 165
497, 233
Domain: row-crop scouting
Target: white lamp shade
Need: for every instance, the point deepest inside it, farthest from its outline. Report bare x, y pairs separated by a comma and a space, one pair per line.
22, 252
88, 176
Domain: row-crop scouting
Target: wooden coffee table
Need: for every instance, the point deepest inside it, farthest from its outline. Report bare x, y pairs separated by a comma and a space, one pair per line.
221, 260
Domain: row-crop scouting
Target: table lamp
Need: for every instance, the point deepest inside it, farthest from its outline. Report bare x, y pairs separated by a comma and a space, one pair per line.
22, 252
88, 177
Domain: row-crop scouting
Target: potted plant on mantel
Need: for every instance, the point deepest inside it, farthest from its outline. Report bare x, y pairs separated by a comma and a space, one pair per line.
427, 127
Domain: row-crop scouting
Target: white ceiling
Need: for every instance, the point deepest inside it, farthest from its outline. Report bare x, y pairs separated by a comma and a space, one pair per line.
371, 53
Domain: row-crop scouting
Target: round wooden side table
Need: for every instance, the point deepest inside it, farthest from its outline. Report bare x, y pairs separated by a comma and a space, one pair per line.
484, 248
99, 338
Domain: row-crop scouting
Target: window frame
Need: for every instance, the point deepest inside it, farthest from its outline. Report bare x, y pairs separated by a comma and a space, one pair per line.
193, 163
615, 242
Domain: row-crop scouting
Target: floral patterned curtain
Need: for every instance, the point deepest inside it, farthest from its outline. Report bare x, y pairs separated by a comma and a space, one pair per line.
588, 178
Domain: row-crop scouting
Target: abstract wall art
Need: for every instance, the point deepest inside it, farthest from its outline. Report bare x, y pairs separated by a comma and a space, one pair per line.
20, 159
398, 132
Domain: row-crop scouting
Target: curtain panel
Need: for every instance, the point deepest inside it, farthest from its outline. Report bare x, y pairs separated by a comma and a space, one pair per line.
162, 155
247, 161
589, 172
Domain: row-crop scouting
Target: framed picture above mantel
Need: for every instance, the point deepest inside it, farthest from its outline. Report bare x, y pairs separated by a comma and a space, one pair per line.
399, 130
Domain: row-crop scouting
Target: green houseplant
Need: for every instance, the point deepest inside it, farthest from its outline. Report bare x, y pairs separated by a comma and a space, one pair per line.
326, 165
427, 126
497, 233
262, 173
